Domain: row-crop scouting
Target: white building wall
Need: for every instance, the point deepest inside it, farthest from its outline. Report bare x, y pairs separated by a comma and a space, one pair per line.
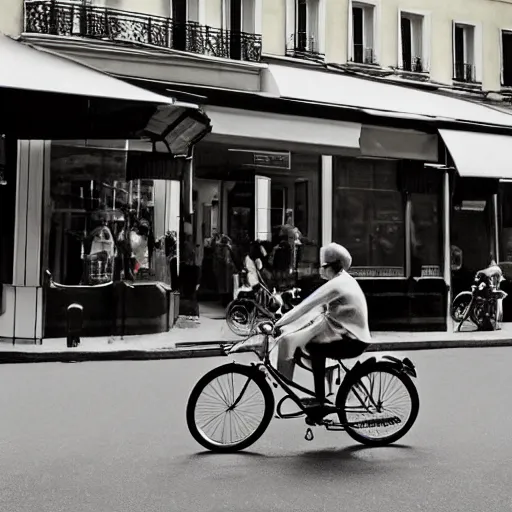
11, 17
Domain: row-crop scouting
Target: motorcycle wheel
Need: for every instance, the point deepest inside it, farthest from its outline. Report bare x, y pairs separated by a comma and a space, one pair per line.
459, 306
240, 317
481, 320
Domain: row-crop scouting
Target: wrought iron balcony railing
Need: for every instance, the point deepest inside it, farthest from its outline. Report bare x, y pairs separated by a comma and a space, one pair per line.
363, 55
414, 64
93, 22
464, 72
303, 46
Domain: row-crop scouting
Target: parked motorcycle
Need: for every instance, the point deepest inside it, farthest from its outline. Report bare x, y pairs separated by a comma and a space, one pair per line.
252, 304
483, 304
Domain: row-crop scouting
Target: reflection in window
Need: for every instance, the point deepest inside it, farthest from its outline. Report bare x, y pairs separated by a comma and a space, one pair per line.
104, 227
369, 216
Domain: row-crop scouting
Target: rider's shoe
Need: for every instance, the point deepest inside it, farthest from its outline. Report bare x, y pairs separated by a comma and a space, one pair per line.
316, 409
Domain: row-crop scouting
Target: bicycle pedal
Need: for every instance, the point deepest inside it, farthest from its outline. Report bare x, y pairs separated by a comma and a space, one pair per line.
309, 435
334, 427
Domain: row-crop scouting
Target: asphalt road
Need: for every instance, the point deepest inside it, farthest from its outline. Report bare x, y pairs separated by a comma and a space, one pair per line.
111, 437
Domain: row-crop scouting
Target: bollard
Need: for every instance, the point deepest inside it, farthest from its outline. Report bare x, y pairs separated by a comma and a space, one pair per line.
75, 316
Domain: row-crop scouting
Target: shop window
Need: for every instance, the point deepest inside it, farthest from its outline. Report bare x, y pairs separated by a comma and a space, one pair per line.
363, 47
108, 220
506, 221
369, 216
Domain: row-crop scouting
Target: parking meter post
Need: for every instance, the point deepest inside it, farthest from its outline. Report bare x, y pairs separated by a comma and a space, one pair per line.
75, 316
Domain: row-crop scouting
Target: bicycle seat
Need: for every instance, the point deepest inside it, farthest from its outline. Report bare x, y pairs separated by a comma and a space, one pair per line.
339, 349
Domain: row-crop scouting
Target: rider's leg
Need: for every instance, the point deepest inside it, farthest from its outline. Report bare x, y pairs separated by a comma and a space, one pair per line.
342, 348
318, 362
290, 341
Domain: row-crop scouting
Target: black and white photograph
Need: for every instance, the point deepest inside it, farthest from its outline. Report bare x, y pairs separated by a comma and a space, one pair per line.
255, 255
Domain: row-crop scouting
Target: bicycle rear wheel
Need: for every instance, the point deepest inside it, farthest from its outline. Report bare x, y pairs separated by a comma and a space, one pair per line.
240, 317
378, 405
230, 408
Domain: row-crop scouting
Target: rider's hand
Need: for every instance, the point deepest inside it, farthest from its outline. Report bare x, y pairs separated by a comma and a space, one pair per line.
277, 332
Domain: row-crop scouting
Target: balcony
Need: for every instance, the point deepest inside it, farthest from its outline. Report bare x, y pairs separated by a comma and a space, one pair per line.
464, 72
304, 46
414, 65
363, 55
105, 24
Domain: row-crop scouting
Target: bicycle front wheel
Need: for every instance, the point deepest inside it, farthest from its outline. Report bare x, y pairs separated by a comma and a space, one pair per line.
230, 408
378, 405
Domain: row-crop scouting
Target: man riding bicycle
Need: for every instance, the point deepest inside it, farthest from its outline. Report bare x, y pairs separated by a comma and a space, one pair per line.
332, 323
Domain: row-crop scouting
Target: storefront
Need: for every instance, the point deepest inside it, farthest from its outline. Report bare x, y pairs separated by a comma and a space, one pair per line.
111, 234
94, 195
415, 179
383, 198
242, 195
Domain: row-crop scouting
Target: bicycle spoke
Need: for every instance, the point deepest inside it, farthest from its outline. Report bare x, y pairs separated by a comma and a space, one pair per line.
383, 396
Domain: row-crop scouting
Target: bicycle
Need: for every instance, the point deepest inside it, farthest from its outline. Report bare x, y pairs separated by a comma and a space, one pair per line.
244, 311
355, 406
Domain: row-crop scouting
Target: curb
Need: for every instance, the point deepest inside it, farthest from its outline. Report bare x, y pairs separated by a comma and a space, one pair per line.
209, 349
17, 357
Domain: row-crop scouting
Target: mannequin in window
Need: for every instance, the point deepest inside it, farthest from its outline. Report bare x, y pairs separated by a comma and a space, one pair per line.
100, 246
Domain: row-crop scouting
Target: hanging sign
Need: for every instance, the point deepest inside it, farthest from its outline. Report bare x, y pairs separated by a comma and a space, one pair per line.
272, 159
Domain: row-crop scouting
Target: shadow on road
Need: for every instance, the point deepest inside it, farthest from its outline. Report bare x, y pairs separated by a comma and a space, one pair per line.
349, 451
350, 460
243, 453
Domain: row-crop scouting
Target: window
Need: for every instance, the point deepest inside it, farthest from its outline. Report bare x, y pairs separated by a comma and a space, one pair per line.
369, 216
108, 220
193, 11
464, 61
426, 235
388, 214
363, 37
412, 46
506, 48
240, 15
8, 157
184, 10
305, 38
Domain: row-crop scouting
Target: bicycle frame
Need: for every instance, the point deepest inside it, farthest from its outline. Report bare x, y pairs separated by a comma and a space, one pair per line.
287, 385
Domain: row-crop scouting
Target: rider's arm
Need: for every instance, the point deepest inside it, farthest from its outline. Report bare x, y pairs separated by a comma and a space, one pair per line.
322, 296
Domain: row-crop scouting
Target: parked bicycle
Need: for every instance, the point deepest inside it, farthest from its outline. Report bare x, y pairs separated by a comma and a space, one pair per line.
253, 304
230, 407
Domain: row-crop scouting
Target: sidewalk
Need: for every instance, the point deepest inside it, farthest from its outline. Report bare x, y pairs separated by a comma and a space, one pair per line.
204, 341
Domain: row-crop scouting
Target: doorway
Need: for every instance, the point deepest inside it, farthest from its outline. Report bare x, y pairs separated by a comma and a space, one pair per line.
472, 239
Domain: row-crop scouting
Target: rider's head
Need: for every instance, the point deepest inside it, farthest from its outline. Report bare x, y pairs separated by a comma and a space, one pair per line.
333, 259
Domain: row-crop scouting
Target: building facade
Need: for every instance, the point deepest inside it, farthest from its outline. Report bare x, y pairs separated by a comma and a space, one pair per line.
340, 118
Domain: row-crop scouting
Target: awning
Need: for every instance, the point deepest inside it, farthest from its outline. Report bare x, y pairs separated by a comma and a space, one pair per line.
385, 142
270, 131
479, 155
45, 95
374, 97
